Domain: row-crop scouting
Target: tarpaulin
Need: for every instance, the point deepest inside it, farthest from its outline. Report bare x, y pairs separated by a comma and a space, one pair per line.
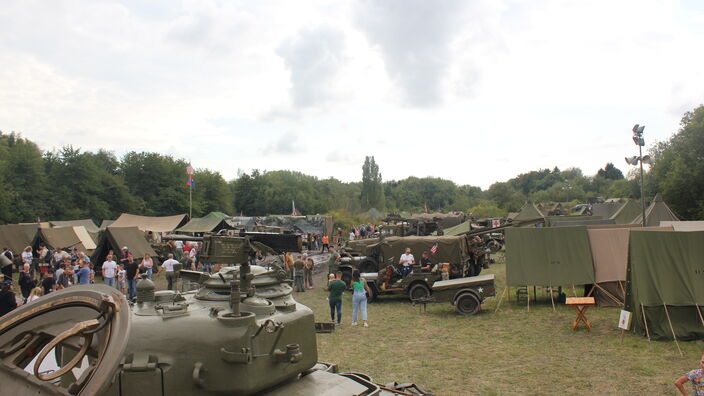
548, 256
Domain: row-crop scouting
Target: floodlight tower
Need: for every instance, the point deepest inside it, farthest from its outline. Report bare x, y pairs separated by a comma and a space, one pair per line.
638, 140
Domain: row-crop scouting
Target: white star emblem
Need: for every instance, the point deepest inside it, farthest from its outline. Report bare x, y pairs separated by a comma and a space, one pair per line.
480, 290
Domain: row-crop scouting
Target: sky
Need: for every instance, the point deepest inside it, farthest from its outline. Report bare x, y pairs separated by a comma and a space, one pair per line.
472, 91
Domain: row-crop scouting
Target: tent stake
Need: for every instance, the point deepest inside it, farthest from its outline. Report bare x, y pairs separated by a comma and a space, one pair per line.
673, 330
500, 299
552, 300
646, 322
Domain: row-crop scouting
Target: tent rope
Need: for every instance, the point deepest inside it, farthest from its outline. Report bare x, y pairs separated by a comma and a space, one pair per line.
611, 296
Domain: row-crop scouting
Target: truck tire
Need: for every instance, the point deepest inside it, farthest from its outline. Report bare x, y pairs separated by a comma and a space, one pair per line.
373, 295
475, 269
347, 277
467, 304
368, 266
418, 290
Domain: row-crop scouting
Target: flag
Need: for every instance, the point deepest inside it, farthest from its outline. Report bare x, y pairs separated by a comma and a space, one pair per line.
434, 249
190, 182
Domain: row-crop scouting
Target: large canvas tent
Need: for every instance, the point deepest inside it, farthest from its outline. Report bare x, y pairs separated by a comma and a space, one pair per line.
147, 223
60, 237
656, 212
115, 238
548, 257
457, 230
623, 211
665, 284
610, 256
87, 223
684, 225
528, 212
16, 237
205, 224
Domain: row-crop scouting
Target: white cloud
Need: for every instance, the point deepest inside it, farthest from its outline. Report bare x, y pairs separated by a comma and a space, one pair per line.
428, 88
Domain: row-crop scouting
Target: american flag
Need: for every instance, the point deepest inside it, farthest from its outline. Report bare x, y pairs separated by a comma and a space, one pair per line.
434, 249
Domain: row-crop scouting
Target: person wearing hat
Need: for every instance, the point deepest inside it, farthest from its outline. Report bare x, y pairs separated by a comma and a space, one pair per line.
8, 302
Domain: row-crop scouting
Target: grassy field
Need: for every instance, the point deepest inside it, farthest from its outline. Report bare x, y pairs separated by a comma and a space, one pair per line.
508, 352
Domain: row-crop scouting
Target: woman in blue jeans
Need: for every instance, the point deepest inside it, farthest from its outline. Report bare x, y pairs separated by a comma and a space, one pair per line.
359, 298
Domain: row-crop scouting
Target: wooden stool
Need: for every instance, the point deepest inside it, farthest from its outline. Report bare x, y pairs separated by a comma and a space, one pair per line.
580, 305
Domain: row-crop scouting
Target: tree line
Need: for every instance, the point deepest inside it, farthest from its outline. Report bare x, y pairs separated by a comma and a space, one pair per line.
72, 184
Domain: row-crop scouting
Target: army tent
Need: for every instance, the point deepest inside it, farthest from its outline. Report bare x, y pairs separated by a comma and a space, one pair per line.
548, 257
16, 237
105, 224
610, 256
115, 238
60, 237
528, 212
147, 223
457, 230
87, 239
656, 212
205, 224
217, 215
87, 223
593, 222
684, 225
665, 284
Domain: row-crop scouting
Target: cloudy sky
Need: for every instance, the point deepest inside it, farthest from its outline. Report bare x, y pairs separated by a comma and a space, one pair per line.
474, 91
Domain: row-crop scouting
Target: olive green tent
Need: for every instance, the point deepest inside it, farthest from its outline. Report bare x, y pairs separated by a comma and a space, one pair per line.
656, 212
154, 224
205, 224
666, 283
60, 237
217, 215
528, 212
457, 230
548, 257
87, 223
115, 238
16, 237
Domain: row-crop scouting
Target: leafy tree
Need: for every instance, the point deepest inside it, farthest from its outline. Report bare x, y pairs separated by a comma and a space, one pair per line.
372, 195
610, 172
157, 181
678, 171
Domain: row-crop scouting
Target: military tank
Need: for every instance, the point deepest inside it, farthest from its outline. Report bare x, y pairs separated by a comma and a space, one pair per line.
240, 333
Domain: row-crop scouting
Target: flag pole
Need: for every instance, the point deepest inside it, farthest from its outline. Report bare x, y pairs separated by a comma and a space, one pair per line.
190, 200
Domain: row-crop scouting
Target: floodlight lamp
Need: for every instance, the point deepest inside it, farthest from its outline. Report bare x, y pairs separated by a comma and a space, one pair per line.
641, 129
632, 160
647, 160
635, 128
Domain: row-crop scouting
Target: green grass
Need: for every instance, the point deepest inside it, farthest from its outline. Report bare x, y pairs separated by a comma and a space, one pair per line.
508, 352
498, 353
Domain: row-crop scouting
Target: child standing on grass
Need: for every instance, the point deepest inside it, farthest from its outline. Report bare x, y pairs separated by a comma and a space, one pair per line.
697, 378
121, 279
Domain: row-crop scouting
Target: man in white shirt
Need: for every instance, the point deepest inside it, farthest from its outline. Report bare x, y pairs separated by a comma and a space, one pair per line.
192, 258
407, 260
168, 265
109, 271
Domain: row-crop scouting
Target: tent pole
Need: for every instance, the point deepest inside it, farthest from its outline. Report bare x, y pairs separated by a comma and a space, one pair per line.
646, 322
622, 291
528, 297
552, 300
611, 296
498, 305
699, 311
673, 330
574, 291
